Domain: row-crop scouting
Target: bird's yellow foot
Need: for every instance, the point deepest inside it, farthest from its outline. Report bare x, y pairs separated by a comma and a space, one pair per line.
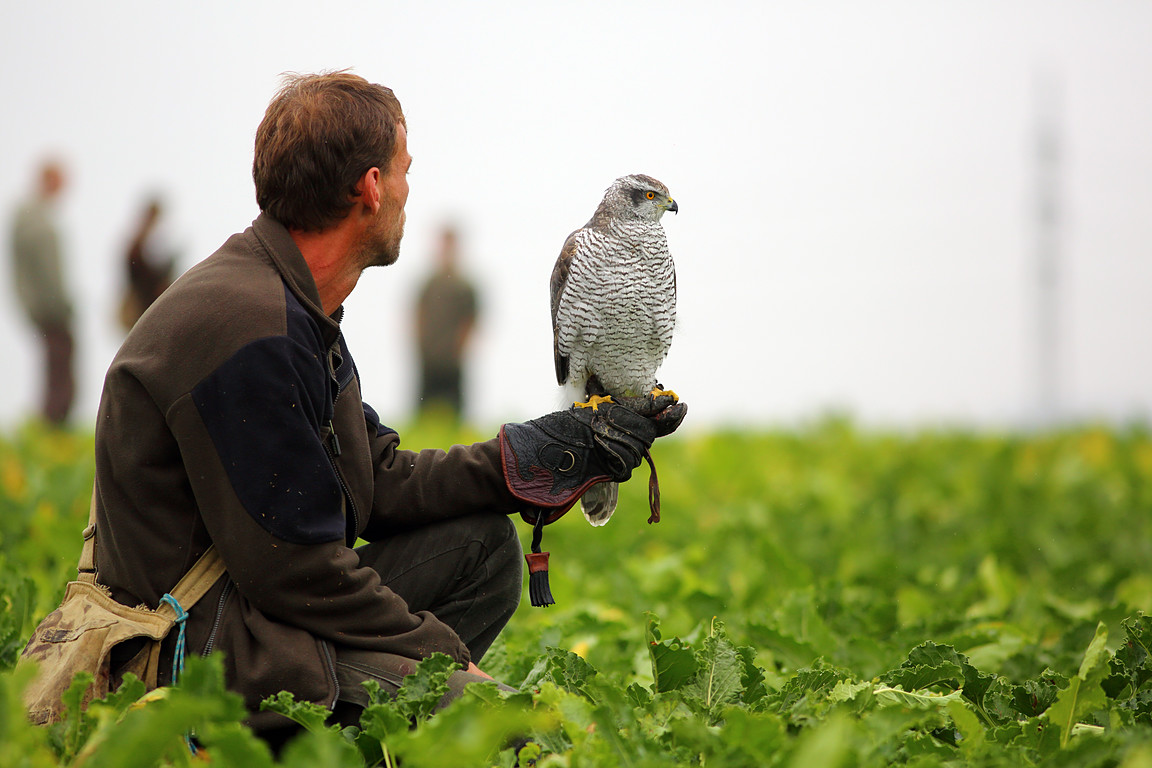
657, 392
594, 402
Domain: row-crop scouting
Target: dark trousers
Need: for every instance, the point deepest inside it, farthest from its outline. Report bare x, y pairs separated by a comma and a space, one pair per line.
59, 383
443, 386
466, 571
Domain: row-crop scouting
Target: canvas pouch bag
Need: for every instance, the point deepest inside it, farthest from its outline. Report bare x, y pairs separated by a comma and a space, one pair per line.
81, 634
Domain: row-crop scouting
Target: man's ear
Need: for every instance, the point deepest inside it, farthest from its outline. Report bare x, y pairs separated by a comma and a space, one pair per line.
368, 189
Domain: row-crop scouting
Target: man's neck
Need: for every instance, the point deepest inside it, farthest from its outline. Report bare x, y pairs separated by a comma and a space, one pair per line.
327, 256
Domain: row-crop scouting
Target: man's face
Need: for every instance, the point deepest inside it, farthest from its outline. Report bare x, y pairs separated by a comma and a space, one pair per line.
382, 243
51, 181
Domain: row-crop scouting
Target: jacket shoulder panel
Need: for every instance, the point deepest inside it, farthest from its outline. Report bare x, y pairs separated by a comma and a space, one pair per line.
264, 408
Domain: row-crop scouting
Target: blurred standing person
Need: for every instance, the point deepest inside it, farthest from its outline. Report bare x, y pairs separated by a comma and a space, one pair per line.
38, 269
149, 264
445, 317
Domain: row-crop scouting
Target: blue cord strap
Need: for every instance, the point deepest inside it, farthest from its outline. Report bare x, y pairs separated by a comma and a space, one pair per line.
181, 616
178, 656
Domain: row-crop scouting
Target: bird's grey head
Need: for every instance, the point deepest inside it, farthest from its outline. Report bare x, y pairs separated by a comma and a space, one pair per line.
638, 197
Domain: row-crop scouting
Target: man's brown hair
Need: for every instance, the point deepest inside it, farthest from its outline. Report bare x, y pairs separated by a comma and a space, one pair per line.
320, 134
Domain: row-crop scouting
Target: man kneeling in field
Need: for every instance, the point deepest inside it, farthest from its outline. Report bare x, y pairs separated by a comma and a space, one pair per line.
232, 416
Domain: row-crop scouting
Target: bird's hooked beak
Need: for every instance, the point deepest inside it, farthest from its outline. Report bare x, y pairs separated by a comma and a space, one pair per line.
672, 206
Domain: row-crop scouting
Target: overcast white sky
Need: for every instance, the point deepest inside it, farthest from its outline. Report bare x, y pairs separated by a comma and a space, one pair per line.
856, 184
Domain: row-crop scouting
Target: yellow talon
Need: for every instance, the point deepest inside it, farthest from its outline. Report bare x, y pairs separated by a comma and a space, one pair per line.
594, 402
657, 392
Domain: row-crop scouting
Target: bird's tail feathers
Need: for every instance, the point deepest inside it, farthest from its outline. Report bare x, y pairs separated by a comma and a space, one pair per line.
599, 502
570, 393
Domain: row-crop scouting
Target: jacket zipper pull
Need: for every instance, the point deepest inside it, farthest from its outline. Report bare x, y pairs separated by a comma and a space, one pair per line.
335, 440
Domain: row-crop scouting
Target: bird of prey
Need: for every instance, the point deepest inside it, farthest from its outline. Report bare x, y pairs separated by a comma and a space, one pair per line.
614, 306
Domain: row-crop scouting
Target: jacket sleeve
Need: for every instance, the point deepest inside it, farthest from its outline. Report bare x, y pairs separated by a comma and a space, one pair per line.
418, 487
272, 504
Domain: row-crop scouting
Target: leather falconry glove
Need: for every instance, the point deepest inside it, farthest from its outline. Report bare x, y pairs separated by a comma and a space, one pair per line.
551, 461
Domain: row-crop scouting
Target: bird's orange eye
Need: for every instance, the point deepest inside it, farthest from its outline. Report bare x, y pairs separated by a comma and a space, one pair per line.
651, 195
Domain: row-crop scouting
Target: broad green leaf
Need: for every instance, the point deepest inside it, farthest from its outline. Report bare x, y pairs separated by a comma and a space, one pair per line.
751, 678
320, 748
468, 732
376, 693
75, 725
232, 744
757, 738
972, 731
528, 754
923, 745
686, 736
17, 602
929, 659
574, 712
306, 713
562, 667
130, 691
1084, 693
674, 664
846, 690
888, 697
806, 693
717, 681
21, 743
829, 745
1132, 665
382, 721
992, 654
421, 692
1138, 757
491, 694
933, 655
640, 696
1034, 696
1097, 654
387, 718
790, 650
800, 615
1035, 733
156, 732
916, 677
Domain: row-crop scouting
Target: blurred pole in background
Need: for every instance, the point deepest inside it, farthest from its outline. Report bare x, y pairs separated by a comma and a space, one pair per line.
1048, 235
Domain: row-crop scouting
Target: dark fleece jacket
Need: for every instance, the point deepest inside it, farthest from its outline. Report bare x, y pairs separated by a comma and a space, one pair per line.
232, 416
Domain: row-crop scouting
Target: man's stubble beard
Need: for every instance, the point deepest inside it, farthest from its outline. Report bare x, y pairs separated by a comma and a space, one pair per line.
382, 249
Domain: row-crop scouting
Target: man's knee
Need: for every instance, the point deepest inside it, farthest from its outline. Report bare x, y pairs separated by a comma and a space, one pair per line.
498, 532
495, 534
503, 567
510, 553
504, 554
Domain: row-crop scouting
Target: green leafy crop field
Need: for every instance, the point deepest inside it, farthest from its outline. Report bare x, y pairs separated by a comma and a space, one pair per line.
825, 596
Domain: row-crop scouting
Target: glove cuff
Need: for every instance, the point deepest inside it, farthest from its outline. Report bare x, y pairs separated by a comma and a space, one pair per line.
544, 473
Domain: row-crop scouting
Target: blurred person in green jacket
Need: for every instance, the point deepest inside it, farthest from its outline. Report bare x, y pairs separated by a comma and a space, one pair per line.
38, 274
445, 316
